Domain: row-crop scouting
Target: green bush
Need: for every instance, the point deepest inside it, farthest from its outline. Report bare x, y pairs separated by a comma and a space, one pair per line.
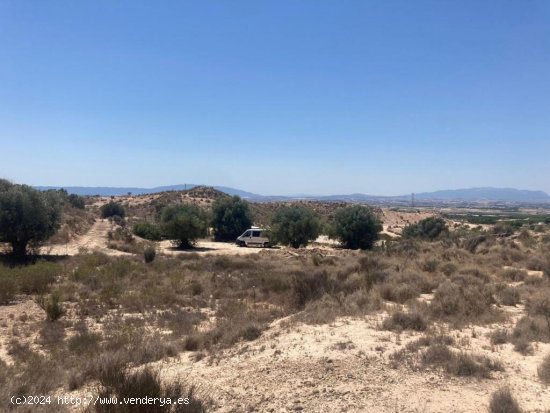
112, 209
295, 226
230, 218
148, 231
76, 201
428, 228
356, 227
184, 224
27, 216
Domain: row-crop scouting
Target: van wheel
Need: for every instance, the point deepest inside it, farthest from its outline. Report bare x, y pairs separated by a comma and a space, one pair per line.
266, 245
242, 244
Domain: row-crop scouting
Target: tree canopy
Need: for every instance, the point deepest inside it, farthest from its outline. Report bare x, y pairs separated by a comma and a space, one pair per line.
429, 228
112, 209
184, 224
27, 216
230, 218
356, 227
295, 226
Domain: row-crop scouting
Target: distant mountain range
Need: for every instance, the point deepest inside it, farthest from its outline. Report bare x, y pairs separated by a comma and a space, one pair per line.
116, 191
452, 195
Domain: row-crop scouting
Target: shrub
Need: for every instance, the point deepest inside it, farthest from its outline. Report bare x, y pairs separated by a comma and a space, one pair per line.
502, 229
51, 306
27, 216
148, 231
429, 228
310, 287
405, 321
398, 293
502, 401
295, 226
230, 218
509, 296
112, 209
539, 305
36, 278
125, 384
460, 302
544, 370
514, 274
471, 243
529, 329
8, 288
459, 364
149, 254
523, 346
76, 201
84, 342
184, 224
356, 227
499, 336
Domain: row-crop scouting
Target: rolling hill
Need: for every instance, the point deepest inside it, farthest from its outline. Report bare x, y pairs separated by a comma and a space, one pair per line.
466, 195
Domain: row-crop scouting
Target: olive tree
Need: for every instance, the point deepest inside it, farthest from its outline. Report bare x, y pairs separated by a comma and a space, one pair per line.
295, 226
184, 224
356, 227
112, 209
230, 217
27, 216
429, 228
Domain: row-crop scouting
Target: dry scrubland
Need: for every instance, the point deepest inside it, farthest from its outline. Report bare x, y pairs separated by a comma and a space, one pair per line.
458, 324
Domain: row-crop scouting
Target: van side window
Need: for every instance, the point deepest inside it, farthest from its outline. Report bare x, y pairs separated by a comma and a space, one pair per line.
256, 234
246, 234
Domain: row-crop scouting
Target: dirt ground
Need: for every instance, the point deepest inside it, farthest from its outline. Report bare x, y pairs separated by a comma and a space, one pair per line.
344, 367
96, 239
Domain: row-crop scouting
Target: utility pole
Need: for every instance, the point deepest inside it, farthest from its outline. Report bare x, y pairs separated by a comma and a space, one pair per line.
413, 203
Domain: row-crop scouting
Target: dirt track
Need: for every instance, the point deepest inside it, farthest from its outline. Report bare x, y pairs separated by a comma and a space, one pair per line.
94, 240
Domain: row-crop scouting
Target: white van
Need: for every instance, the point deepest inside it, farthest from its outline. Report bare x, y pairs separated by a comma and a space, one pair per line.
254, 237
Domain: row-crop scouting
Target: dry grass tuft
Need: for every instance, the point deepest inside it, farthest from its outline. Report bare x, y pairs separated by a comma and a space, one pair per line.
502, 401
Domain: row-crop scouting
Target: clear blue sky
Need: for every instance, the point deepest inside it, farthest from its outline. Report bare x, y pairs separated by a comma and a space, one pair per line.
277, 97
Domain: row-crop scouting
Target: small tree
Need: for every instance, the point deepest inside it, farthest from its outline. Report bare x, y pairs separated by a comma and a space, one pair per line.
230, 217
112, 209
356, 227
27, 216
184, 224
295, 226
428, 228
76, 201
147, 230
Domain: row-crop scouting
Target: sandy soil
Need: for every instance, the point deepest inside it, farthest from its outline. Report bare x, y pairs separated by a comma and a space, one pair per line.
340, 367
395, 221
211, 248
344, 367
13, 318
94, 240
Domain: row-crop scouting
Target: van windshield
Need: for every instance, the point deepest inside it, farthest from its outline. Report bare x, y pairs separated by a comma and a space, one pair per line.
246, 234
